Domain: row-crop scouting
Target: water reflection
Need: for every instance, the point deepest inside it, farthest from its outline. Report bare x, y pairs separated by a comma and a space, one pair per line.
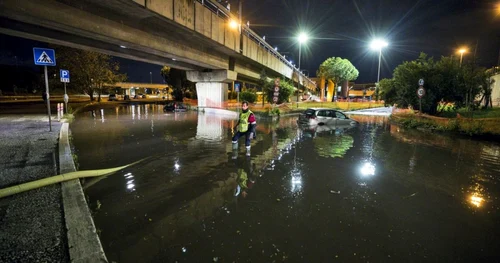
368, 169
200, 198
212, 127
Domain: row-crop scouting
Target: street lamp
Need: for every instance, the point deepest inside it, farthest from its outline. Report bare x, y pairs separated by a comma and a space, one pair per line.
461, 51
378, 44
303, 37
151, 77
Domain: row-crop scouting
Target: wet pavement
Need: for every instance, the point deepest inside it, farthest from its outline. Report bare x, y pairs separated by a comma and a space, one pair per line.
31, 223
371, 193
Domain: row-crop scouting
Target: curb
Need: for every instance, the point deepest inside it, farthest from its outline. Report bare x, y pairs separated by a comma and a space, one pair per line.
83, 242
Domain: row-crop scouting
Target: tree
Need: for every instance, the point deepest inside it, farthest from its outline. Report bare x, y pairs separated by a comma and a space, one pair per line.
90, 71
286, 90
178, 80
337, 69
264, 84
444, 80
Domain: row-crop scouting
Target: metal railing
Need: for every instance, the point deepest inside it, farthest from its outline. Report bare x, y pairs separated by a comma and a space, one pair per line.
224, 13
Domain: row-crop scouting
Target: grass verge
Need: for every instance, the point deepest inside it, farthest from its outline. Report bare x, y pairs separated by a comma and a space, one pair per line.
467, 126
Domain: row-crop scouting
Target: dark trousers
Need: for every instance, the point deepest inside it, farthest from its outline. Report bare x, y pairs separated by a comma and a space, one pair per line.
239, 134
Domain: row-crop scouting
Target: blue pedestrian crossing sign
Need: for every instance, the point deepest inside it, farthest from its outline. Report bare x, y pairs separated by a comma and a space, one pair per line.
64, 74
44, 56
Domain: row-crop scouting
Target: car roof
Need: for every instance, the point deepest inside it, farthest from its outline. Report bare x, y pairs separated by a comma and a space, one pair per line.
321, 109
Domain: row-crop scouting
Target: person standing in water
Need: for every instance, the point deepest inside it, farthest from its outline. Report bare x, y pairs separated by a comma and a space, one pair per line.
245, 126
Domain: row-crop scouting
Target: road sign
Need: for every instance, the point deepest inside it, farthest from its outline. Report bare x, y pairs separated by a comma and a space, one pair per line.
276, 89
237, 87
420, 92
275, 99
44, 56
64, 74
421, 82
277, 82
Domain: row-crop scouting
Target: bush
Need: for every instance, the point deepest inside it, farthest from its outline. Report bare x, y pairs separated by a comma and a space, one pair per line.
446, 107
248, 96
453, 125
286, 90
232, 95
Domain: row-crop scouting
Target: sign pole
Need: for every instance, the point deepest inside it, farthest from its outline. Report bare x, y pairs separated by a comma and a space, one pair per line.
65, 98
45, 57
48, 97
420, 99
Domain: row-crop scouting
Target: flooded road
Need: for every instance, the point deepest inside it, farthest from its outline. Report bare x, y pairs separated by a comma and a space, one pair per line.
371, 193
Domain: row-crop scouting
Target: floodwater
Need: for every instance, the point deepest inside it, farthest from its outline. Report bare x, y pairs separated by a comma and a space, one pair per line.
371, 193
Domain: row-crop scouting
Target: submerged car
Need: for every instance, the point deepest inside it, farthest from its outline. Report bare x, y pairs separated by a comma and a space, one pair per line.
174, 106
321, 116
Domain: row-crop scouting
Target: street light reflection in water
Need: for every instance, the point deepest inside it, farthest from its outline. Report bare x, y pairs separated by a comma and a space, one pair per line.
313, 180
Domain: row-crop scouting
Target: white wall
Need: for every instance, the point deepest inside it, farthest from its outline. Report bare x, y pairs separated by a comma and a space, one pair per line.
495, 94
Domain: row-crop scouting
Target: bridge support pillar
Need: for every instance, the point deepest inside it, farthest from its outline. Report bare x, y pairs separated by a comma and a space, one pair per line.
211, 87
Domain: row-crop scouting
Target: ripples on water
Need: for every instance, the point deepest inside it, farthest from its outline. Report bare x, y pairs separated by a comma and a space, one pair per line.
363, 193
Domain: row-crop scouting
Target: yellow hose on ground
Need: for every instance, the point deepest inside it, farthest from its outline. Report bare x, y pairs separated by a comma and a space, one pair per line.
12, 190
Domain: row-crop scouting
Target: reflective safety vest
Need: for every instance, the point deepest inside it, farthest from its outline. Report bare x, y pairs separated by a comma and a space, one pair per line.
244, 121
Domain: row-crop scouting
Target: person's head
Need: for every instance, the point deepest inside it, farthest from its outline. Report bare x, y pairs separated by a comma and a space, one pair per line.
244, 106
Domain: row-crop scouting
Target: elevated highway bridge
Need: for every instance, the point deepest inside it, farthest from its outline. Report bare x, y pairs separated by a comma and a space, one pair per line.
184, 34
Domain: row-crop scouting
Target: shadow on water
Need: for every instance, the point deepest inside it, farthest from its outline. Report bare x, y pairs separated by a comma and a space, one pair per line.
305, 194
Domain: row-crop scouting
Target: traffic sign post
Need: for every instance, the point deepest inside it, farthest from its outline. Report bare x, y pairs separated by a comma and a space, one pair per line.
420, 94
45, 57
237, 90
276, 91
64, 74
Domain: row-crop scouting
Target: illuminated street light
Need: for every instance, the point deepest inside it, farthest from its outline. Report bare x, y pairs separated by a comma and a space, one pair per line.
461, 51
378, 44
303, 37
233, 24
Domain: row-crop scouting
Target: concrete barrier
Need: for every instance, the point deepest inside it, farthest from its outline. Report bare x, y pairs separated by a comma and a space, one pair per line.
83, 242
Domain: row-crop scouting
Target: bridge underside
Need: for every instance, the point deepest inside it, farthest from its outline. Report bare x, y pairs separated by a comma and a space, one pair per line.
124, 29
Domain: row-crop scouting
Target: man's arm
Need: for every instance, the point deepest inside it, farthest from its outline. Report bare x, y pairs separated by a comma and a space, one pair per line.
252, 123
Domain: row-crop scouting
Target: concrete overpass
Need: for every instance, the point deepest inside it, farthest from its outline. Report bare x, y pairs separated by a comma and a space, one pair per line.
184, 34
129, 87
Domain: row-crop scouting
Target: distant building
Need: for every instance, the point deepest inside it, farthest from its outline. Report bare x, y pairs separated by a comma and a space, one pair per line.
362, 90
345, 89
495, 93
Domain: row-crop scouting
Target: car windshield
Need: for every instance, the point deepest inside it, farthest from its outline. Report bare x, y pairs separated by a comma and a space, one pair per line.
340, 115
309, 112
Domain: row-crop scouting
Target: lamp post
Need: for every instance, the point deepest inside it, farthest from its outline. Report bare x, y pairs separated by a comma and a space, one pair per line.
461, 51
378, 44
303, 37
151, 77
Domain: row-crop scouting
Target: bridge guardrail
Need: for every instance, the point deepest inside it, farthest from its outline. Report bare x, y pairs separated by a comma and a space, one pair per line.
223, 12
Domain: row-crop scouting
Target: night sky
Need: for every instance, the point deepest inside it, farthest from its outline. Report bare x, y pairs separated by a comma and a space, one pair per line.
344, 29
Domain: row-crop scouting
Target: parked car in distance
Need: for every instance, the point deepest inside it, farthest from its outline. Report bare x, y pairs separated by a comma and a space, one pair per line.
321, 116
174, 106
112, 97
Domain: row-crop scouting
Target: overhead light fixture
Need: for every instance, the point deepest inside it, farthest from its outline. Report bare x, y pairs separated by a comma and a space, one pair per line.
122, 46
174, 59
